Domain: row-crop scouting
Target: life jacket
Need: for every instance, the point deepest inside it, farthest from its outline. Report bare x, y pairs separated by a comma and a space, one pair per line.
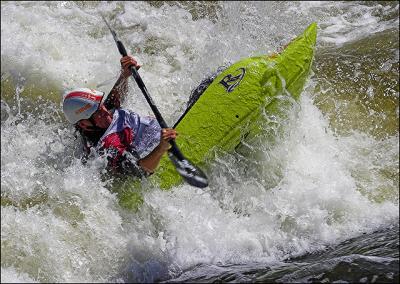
129, 136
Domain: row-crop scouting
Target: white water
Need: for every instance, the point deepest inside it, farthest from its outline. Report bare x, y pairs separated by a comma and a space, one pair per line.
300, 195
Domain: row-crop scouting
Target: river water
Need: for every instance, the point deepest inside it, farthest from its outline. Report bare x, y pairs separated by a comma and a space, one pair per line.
317, 203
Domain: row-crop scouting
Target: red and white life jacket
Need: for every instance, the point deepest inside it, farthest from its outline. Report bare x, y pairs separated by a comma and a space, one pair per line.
130, 132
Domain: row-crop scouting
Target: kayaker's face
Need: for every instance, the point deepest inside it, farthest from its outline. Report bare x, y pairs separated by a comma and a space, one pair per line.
102, 118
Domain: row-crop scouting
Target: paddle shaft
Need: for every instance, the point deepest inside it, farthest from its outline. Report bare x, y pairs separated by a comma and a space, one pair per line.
191, 174
174, 149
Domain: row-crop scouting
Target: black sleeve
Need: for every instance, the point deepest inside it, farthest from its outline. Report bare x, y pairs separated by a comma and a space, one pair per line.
130, 165
125, 163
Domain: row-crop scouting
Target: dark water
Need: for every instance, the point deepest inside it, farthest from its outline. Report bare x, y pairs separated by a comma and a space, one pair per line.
370, 258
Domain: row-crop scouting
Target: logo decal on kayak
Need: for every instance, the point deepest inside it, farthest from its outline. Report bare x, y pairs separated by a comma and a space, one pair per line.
231, 81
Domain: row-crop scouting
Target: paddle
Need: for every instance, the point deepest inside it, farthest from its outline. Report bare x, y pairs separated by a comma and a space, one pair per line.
191, 174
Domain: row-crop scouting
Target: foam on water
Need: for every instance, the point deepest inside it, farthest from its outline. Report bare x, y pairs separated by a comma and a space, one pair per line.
304, 191
341, 22
9, 275
315, 204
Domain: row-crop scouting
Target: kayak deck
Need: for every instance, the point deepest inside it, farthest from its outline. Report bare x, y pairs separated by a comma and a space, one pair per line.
236, 99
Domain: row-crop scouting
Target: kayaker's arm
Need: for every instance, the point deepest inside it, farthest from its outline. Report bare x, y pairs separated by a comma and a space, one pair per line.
151, 161
128, 162
120, 89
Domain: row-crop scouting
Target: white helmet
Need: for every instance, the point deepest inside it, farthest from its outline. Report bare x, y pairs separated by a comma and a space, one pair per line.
81, 103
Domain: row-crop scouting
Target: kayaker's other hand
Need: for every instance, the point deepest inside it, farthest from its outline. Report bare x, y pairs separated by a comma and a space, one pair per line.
126, 63
166, 135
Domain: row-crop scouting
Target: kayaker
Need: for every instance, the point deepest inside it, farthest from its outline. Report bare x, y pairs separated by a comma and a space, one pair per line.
132, 143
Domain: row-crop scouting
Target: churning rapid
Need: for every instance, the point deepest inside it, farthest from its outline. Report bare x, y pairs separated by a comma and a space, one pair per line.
314, 197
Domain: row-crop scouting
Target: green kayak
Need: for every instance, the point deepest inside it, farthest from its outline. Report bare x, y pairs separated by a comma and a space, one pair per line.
235, 100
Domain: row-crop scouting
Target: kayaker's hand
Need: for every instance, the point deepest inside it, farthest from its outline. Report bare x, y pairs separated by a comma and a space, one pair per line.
166, 135
126, 63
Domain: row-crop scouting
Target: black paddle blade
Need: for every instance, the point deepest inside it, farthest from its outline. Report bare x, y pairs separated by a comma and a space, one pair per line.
191, 174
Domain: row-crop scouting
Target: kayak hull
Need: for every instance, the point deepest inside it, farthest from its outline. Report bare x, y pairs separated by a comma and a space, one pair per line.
230, 107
